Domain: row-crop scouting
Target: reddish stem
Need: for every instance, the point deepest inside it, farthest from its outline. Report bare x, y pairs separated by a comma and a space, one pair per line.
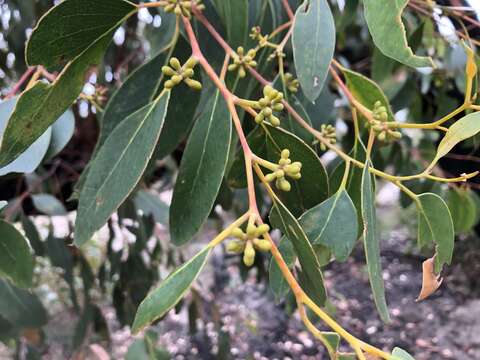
23, 79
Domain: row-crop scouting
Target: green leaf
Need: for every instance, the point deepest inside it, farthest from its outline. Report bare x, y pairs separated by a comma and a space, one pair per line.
163, 298
48, 204
462, 129
137, 91
118, 167
313, 41
435, 226
20, 307
462, 208
151, 204
277, 282
69, 28
366, 91
372, 244
234, 14
31, 158
62, 132
282, 218
201, 171
16, 260
32, 235
333, 223
384, 20
312, 188
42, 104
400, 354
3, 203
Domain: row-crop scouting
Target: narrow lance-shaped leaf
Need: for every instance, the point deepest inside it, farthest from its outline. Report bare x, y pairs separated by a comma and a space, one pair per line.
384, 20
277, 282
281, 218
462, 129
16, 260
42, 104
201, 171
372, 244
234, 14
313, 45
118, 167
169, 292
435, 226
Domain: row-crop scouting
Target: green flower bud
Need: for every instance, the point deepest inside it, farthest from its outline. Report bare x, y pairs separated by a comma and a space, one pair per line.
194, 84
188, 72
167, 70
283, 185
259, 118
280, 174
251, 230
395, 134
241, 72
262, 245
270, 177
249, 254
384, 116
278, 107
175, 63
236, 247
285, 154
238, 233
232, 67
275, 121
267, 112
176, 79
377, 104
169, 84
190, 64
382, 136
262, 229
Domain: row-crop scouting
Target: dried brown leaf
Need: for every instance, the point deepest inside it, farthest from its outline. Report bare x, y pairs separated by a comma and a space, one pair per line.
431, 281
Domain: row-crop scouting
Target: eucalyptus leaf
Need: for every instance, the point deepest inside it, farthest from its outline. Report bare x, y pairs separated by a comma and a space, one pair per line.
42, 104
234, 14
48, 204
312, 188
333, 223
20, 307
70, 28
31, 158
384, 20
462, 129
16, 259
150, 204
400, 354
118, 167
462, 208
435, 226
282, 218
163, 298
201, 170
372, 244
62, 132
366, 91
313, 41
277, 282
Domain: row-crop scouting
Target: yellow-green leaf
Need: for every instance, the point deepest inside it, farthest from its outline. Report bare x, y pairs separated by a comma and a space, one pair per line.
462, 129
384, 20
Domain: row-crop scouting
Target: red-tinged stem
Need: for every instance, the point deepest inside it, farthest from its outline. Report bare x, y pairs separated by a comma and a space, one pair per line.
288, 9
16, 88
230, 100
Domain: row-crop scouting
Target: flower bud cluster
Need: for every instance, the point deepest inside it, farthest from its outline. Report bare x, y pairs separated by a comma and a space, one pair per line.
379, 124
183, 7
179, 73
291, 83
249, 241
284, 168
270, 102
242, 60
328, 133
256, 34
